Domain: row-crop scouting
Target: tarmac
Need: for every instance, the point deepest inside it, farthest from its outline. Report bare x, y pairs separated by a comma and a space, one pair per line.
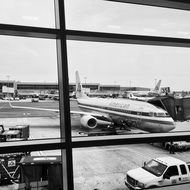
102, 168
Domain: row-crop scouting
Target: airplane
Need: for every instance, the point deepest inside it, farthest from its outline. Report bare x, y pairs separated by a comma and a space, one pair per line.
151, 93
111, 111
141, 115
140, 98
99, 94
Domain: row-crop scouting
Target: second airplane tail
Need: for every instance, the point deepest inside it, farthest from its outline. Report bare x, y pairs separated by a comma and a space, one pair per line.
79, 90
157, 87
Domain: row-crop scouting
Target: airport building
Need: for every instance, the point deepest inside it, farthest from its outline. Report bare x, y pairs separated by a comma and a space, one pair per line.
27, 89
7, 88
156, 32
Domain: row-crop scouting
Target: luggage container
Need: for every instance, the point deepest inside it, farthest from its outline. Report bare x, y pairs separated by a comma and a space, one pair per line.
12, 134
23, 129
40, 172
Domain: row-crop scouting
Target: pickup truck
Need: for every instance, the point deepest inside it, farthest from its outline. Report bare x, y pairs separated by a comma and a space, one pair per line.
158, 172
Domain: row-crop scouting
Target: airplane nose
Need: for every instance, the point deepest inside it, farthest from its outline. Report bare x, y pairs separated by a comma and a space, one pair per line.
173, 126
170, 126
167, 126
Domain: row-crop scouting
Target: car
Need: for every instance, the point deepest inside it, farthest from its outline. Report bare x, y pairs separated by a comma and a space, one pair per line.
8, 98
41, 97
34, 100
56, 98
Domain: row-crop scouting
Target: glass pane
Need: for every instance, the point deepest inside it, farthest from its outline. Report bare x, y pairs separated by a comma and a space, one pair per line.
110, 167
138, 88
28, 89
26, 12
31, 170
105, 16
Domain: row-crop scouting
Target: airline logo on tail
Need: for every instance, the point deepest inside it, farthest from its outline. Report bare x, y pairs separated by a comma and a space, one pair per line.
157, 87
79, 90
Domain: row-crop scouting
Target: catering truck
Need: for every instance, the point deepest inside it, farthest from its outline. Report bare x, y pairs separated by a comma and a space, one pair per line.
158, 172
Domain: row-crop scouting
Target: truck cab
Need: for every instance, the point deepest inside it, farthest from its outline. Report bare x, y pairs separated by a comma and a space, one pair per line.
158, 172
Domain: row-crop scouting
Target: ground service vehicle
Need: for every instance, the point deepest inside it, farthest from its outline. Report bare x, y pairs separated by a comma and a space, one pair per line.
9, 163
178, 145
9, 167
19, 132
35, 100
158, 172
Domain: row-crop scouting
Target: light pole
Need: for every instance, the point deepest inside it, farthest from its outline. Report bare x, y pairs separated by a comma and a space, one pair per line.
8, 76
85, 78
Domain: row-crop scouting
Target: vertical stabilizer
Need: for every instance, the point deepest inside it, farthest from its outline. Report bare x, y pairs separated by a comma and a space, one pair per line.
157, 87
79, 90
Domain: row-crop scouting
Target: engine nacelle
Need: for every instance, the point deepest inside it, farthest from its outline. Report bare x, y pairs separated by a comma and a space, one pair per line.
88, 121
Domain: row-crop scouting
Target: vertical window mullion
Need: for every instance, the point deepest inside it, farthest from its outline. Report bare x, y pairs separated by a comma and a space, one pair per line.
65, 124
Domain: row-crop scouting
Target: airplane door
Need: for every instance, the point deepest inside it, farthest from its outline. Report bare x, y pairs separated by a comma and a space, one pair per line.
171, 176
138, 121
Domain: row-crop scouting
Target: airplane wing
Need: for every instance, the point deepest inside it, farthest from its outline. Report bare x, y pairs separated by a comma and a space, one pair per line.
94, 114
33, 108
88, 119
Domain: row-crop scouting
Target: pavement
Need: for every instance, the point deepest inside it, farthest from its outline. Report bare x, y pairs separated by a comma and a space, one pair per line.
102, 168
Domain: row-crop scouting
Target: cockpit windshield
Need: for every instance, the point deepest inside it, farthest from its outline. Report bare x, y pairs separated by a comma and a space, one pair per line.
161, 114
155, 167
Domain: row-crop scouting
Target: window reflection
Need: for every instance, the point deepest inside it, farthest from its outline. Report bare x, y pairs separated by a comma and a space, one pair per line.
104, 16
28, 13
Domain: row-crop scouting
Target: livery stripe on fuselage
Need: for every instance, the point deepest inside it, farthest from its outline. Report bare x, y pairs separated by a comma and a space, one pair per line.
121, 113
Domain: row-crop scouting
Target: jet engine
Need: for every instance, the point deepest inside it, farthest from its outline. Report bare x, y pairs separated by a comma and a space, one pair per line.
88, 121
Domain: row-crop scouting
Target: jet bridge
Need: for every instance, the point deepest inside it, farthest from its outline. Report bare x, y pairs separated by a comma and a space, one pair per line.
178, 108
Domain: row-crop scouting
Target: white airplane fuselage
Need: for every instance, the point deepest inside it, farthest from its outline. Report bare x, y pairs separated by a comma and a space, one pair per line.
141, 115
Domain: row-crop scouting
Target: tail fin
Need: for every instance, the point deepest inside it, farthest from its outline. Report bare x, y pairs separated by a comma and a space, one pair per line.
157, 87
79, 90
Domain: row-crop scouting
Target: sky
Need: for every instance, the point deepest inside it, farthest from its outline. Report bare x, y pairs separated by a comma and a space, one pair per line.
35, 60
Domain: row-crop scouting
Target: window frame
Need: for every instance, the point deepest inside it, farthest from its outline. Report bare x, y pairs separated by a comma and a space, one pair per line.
61, 35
